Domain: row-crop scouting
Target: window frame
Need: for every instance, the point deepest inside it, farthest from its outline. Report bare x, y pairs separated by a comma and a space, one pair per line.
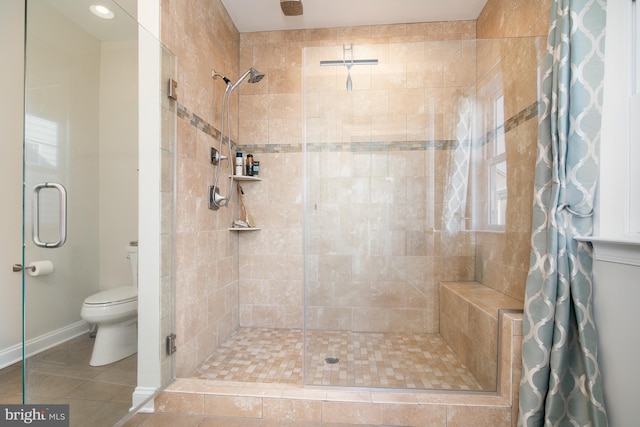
497, 198
617, 213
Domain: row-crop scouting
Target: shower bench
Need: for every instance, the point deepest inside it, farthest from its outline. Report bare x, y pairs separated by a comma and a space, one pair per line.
469, 319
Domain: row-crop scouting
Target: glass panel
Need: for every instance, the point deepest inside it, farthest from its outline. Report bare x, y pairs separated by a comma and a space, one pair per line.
167, 211
403, 176
386, 199
81, 132
11, 123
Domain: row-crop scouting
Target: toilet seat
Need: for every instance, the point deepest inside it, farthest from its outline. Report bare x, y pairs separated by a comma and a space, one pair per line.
121, 295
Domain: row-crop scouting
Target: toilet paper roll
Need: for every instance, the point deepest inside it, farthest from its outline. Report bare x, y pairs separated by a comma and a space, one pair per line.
40, 268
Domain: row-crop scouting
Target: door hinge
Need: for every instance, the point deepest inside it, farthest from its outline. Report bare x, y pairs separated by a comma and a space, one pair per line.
173, 90
171, 344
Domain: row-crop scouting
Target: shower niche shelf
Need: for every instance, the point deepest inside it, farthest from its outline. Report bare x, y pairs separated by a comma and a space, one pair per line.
245, 178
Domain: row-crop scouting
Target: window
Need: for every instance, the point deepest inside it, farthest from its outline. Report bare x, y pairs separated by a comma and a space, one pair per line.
497, 163
618, 210
41, 142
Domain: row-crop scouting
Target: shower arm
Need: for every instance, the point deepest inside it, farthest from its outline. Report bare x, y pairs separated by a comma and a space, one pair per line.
216, 74
240, 80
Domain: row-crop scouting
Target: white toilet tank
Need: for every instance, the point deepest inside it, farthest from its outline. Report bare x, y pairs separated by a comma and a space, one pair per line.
132, 254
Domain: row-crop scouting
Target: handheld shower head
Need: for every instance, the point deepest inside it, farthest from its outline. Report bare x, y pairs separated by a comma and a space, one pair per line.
217, 200
254, 77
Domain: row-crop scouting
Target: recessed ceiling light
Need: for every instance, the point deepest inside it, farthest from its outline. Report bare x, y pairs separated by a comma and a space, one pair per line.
101, 11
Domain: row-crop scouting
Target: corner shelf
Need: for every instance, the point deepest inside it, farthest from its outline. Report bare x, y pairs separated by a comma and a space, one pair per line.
245, 178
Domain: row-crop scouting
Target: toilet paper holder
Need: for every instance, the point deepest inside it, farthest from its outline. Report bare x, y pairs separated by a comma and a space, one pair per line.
18, 267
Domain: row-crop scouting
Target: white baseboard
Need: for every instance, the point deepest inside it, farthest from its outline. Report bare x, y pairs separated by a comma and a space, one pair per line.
13, 354
143, 400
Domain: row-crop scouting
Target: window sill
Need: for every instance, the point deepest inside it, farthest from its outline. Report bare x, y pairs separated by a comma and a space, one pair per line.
621, 250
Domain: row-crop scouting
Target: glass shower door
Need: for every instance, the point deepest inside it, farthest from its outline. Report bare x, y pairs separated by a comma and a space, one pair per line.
80, 198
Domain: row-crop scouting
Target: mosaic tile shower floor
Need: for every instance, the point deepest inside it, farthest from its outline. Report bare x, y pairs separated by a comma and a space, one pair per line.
395, 360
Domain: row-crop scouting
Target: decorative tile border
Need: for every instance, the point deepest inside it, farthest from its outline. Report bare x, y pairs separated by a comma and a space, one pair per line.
531, 112
522, 117
200, 124
355, 147
510, 124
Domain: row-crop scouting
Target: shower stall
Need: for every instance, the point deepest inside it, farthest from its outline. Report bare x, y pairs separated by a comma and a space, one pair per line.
404, 179
415, 169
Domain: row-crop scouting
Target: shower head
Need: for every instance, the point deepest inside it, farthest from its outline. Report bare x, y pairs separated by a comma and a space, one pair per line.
254, 77
291, 7
216, 74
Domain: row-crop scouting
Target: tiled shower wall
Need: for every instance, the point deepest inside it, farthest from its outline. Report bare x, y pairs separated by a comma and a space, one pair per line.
513, 39
203, 38
412, 96
380, 164
381, 159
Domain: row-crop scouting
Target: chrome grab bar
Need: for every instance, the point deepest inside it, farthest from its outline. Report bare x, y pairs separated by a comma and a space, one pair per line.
62, 219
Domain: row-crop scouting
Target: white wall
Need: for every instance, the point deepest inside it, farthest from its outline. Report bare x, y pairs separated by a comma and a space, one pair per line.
62, 87
616, 297
11, 112
118, 157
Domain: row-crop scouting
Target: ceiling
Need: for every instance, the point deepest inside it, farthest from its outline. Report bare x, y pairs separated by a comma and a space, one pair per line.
266, 15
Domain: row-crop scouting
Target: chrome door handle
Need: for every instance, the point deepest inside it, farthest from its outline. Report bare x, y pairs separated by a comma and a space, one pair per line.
36, 215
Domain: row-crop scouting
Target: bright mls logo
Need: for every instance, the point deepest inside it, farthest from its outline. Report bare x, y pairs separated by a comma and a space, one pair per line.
34, 415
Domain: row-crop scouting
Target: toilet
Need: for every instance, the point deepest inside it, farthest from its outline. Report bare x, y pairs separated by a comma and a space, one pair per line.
115, 312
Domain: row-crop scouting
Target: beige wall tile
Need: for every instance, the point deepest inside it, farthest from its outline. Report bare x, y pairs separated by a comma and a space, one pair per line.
196, 321
292, 410
506, 18
423, 415
180, 403
233, 406
347, 412
459, 416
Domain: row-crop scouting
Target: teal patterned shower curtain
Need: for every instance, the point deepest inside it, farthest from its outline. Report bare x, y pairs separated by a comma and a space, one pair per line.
561, 383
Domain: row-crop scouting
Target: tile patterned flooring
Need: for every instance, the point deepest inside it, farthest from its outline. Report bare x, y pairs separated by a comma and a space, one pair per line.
365, 359
395, 360
98, 396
